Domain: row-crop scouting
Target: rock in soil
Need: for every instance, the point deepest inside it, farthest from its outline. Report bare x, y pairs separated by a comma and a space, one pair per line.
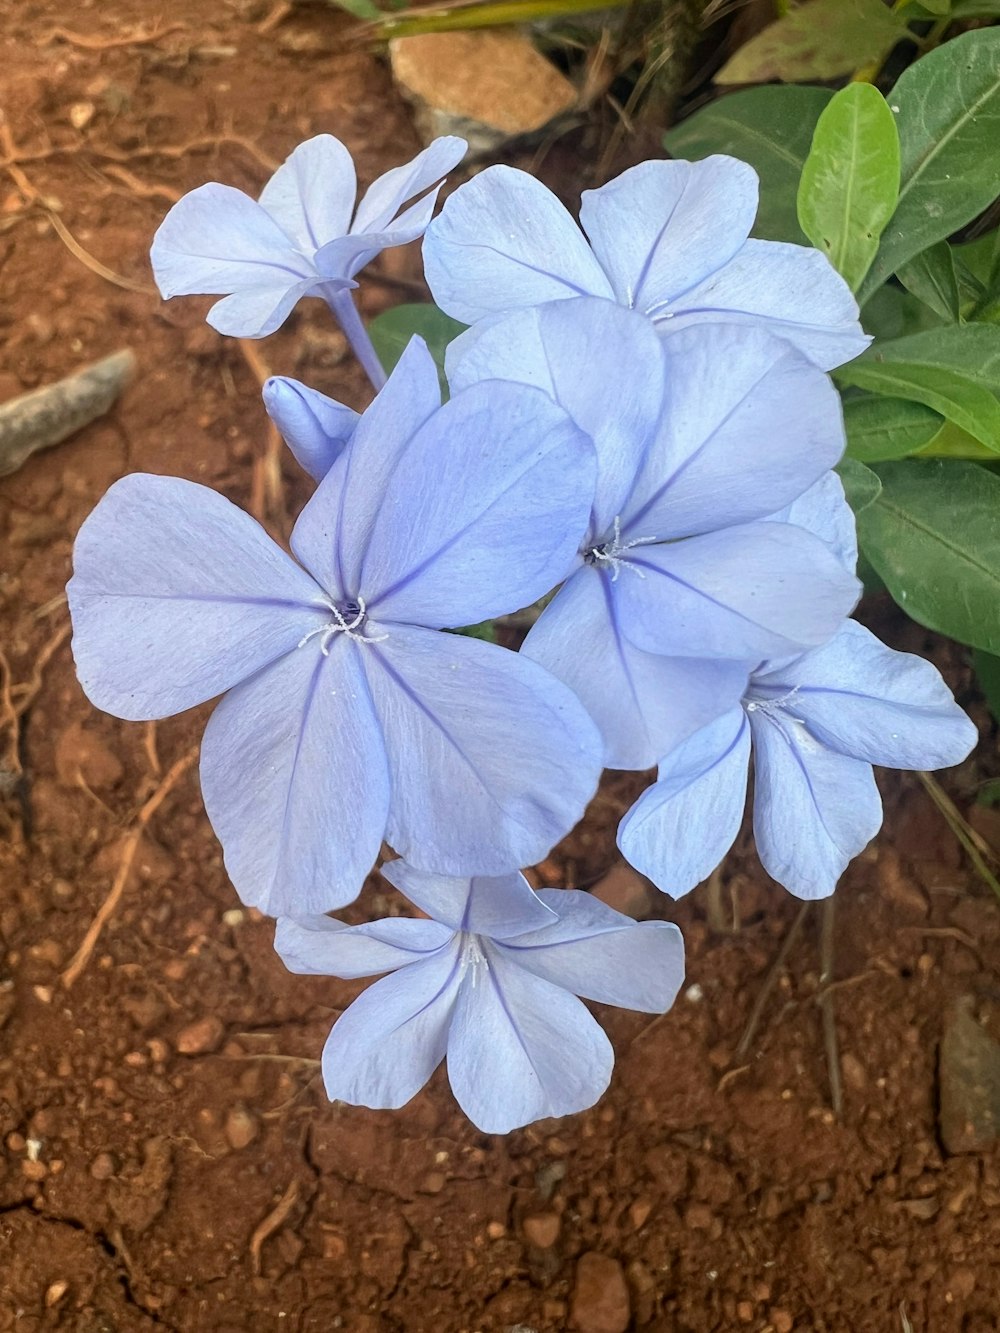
600, 1301
488, 87
970, 1083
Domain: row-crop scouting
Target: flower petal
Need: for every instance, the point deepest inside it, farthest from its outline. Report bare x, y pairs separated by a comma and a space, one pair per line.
866, 700
471, 727
792, 289
342, 258
823, 510
499, 907
643, 703
385, 197
177, 595
598, 953
387, 1044
749, 592
617, 403
333, 530
216, 239
684, 824
521, 1049
504, 241
496, 489
257, 311
322, 946
315, 428
660, 228
737, 445
311, 195
813, 809
294, 777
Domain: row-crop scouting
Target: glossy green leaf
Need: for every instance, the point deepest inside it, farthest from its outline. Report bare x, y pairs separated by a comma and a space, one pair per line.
939, 8
772, 129
931, 278
861, 486
850, 181
393, 329
953, 369
933, 536
894, 313
821, 39
947, 106
879, 428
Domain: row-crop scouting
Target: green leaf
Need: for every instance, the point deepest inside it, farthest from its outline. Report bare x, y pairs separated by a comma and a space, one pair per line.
879, 428
822, 39
954, 369
951, 442
931, 278
937, 7
360, 9
850, 181
947, 106
933, 536
975, 9
393, 329
861, 486
894, 313
988, 678
772, 129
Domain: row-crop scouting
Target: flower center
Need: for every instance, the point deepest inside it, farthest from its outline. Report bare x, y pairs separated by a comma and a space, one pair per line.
612, 554
763, 704
348, 618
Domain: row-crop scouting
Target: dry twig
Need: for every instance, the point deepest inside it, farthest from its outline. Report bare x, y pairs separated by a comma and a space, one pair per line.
82, 956
825, 1001
770, 981
274, 1221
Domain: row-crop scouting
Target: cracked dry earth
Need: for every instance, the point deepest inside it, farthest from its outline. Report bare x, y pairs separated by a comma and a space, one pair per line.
168, 1159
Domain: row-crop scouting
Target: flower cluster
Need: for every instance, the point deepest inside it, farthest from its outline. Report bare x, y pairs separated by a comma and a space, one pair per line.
640, 432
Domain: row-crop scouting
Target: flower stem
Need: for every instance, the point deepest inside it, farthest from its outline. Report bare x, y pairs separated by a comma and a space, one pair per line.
342, 304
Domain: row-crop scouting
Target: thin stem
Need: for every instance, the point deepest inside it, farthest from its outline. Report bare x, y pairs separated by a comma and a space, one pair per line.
342, 304
826, 966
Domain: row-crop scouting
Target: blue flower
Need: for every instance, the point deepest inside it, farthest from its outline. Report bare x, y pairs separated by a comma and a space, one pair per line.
316, 428
684, 577
350, 717
817, 723
490, 984
303, 236
668, 239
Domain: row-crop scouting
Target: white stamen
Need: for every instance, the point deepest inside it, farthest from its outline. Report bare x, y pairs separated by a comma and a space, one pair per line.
342, 626
612, 553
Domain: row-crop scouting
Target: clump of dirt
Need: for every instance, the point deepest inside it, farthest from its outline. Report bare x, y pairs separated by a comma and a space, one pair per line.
169, 1159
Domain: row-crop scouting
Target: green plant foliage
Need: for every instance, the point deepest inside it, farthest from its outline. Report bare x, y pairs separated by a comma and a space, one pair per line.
947, 106
861, 485
988, 678
850, 180
772, 129
415, 20
880, 429
932, 278
975, 9
933, 536
953, 369
393, 329
822, 39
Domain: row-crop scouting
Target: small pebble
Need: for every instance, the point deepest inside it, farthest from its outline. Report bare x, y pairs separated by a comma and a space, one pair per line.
33, 1170
782, 1320
744, 1312
541, 1229
496, 1230
639, 1212
600, 1300
204, 1035
55, 1293
103, 1166
433, 1183
241, 1127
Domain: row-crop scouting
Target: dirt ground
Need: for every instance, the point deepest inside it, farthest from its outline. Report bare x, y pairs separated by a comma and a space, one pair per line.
169, 1159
